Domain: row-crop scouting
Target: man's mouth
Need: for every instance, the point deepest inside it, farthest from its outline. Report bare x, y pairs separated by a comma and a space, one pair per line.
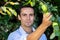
28, 22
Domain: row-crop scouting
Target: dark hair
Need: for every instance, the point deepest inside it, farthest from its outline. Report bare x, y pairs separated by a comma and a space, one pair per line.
19, 9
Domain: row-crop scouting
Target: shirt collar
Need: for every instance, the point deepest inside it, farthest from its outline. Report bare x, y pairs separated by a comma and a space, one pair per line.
22, 30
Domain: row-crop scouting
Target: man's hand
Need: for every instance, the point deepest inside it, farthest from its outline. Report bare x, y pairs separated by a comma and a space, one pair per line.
46, 19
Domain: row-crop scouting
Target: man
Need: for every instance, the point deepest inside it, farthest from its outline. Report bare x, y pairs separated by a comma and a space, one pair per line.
26, 31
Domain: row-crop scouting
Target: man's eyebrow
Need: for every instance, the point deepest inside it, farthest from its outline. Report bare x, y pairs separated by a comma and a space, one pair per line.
23, 13
32, 13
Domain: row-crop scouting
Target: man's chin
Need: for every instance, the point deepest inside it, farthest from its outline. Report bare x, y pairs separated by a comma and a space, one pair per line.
28, 25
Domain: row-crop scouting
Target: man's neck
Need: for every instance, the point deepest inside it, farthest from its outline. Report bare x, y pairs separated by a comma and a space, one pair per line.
27, 29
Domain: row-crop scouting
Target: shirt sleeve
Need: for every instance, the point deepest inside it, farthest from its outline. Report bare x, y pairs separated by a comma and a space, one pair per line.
10, 37
17, 37
43, 37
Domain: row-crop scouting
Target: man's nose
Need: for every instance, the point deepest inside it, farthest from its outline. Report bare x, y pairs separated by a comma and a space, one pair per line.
28, 17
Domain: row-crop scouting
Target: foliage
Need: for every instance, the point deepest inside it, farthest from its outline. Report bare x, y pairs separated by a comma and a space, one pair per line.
55, 23
8, 16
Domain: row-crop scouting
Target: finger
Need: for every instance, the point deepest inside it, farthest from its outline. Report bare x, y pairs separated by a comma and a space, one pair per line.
49, 17
46, 15
49, 23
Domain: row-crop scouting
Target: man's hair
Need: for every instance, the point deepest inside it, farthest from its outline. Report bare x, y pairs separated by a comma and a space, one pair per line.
19, 10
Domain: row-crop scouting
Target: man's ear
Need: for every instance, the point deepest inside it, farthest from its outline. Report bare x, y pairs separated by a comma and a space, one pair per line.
19, 17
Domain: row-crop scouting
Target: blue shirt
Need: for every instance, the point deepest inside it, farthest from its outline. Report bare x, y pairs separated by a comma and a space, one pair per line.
20, 34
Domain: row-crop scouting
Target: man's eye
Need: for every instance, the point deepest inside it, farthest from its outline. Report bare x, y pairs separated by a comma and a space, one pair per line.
31, 14
24, 14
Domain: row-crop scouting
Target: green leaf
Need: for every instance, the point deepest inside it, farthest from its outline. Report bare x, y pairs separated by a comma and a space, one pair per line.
52, 35
55, 24
14, 3
2, 12
43, 7
27, 3
57, 32
54, 8
3, 8
32, 3
8, 12
55, 28
12, 11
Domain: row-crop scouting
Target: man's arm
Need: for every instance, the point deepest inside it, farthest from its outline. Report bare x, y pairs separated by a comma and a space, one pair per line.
41, 29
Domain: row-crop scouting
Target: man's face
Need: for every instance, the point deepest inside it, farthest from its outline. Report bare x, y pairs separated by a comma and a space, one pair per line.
27, 16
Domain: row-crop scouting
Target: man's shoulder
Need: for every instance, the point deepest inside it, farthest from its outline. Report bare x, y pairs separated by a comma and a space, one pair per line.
13, 34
